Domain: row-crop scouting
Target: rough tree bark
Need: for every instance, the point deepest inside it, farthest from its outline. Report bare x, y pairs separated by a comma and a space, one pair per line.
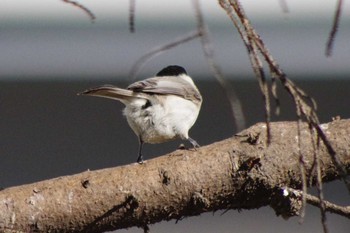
241, 172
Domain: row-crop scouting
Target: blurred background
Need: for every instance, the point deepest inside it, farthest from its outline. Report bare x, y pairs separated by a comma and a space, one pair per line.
50, 50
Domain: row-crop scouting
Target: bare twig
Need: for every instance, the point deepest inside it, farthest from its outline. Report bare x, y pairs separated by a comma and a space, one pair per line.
319, 184
302, 166
236, 14
236, 106
332, 34
146, 229
159, 50
274, 94
82, 7
132, 7
329, 207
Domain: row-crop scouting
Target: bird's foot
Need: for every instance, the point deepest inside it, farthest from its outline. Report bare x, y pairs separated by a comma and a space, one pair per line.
194, 143
140, 159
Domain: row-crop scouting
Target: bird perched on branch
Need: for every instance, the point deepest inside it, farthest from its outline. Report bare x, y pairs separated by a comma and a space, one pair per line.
158, 109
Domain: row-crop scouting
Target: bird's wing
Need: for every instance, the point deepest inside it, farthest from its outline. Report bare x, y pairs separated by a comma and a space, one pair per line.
166, 86
112, 92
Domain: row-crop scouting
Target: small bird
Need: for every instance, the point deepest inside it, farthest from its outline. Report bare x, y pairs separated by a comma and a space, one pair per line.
158, 109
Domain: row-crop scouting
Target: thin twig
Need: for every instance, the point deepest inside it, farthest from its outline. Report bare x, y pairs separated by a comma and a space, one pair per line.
146, 229
135, 69
132, 7
236, 106
333, 32
237, 15
319, 184
302, 166
83, 8
274, 94
329, 207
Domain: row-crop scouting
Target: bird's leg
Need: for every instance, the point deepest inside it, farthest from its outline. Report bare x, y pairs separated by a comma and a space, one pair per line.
140, 159
193, 142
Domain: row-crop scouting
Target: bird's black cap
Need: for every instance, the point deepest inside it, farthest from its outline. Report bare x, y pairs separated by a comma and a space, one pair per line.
171, 71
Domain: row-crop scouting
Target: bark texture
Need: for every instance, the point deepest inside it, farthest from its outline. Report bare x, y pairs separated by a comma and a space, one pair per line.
241, 172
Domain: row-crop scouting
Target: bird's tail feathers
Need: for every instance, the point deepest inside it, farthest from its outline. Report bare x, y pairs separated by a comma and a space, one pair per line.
112, 92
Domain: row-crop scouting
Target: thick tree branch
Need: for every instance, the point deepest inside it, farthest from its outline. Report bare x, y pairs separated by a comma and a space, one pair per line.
241, 172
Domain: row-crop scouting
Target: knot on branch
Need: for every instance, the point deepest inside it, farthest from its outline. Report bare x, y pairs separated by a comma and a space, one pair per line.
285, 203
131, 203
255, 135
249, 164
85, 183
165, 177
199, 201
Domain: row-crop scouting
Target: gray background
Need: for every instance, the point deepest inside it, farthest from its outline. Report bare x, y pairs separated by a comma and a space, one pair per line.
48, 131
